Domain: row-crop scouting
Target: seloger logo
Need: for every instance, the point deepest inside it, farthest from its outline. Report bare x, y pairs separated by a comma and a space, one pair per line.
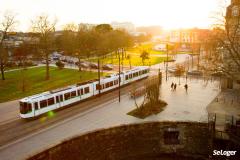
224, 153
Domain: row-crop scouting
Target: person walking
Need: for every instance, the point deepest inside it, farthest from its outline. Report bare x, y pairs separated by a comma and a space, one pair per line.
175, 87
186, 87
172, 86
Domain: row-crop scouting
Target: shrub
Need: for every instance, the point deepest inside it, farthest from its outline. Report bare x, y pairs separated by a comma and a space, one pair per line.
60, 64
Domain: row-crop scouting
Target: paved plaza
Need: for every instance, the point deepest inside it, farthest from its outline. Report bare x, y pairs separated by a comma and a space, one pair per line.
182, 106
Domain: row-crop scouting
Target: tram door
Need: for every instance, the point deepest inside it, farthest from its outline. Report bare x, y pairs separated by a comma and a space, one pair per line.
59, 100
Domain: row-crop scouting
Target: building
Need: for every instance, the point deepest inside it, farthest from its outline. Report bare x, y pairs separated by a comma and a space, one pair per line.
128, 26
188, 35
233, 17
232, 28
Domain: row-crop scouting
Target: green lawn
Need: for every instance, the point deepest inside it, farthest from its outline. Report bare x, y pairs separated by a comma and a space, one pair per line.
146, 46
135, 60
11, 88
149, 47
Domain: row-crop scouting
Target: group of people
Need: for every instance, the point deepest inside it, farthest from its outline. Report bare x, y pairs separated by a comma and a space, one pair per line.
174, 87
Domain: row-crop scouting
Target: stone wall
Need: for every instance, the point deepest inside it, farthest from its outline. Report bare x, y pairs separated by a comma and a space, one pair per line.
132, 142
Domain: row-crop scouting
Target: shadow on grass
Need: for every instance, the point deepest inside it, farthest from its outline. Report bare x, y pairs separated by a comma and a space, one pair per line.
148, 109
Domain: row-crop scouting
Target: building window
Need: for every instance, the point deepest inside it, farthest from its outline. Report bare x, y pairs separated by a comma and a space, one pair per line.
171, 136
235, 11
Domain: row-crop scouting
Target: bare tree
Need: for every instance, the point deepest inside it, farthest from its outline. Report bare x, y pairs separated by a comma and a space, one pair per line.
129, 58
46, 29
144, 55
223, 46
7, 24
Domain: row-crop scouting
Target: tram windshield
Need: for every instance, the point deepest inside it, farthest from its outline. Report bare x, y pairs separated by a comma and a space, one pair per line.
25, 107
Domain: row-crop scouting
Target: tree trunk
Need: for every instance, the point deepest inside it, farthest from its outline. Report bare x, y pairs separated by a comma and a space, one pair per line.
79, 64
47, 68
2, 70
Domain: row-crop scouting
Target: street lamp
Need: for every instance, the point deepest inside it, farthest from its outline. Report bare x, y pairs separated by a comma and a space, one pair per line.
119, 74
99, 81
167, 63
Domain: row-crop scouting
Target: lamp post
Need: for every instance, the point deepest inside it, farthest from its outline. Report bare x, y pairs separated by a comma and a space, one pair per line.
167, 64
99, 81
119, 77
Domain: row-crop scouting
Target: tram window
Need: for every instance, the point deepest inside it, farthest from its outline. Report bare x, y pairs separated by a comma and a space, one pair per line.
102, 86
130, 76
50, 101
29, 105
36, 105
115, 82
43, 103
61, 98
25, 107
86, 90
73, 94
67, 96
98, 87
107, 85
81, 91
136, 73
57, 99
111, 83
126, 77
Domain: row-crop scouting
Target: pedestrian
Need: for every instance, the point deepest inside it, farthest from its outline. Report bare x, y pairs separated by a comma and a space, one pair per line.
172, 85
175, 87
186, 87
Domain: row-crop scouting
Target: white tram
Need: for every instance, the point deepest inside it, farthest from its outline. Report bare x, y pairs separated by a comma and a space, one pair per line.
44, 102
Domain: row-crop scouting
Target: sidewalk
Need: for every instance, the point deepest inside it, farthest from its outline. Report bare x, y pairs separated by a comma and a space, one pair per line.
181, 106
224, 106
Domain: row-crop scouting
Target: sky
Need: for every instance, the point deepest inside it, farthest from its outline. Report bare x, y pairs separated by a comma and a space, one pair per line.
170, 14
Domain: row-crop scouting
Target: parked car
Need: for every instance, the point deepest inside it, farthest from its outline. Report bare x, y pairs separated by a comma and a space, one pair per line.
84, 65
107, 67
170, 60
171, 70
195, 73
93, 65
44, 61
217, 74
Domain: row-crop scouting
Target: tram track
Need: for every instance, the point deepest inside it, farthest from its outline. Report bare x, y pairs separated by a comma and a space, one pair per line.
18, 128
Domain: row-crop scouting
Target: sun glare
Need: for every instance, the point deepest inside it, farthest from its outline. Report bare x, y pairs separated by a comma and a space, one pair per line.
166, 13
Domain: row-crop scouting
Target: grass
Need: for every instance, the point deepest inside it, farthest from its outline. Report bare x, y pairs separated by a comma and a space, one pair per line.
11, 88
135, 60
149, 47
146, 46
